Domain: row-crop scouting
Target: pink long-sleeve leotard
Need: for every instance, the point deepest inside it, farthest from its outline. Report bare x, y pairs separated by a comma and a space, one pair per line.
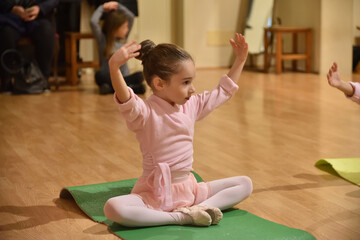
165, 134
356, 96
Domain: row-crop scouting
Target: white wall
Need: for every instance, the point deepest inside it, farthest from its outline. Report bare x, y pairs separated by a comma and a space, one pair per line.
87, 49
336, 35
203, 28
356, 18
208, 26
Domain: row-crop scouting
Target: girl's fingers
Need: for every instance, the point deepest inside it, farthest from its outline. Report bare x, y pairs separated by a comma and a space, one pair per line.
237, 37
335, 66
232, 42
135, 54
134, 48
131, 47
240, 38
128, 44
240, 41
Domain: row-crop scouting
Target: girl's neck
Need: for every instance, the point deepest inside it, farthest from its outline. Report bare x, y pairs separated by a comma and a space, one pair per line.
160, 94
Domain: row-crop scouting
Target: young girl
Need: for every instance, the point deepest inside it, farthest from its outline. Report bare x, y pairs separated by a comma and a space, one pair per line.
167, 192
118, 21
350, 89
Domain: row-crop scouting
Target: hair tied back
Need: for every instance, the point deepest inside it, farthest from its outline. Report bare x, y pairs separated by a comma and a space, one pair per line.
146, 47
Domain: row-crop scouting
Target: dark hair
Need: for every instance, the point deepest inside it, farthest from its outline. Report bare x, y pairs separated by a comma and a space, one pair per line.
161, 60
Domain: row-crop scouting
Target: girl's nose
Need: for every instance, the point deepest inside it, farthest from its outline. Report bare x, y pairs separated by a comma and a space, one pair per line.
192, 89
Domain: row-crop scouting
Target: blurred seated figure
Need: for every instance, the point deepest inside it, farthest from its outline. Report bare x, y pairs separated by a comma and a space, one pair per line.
19, 18
110, 36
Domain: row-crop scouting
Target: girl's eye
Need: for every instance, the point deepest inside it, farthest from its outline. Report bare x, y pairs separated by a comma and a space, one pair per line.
187, 82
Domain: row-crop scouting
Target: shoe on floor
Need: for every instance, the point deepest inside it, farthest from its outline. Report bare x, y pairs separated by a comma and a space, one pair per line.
105, 89
138, 88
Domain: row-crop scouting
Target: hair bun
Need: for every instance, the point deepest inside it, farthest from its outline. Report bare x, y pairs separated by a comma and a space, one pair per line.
146, 47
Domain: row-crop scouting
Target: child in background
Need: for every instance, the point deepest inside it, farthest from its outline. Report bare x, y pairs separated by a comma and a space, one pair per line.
118, 21
350, 89
167, 192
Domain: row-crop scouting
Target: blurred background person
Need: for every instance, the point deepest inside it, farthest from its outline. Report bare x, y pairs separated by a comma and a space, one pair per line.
33, 19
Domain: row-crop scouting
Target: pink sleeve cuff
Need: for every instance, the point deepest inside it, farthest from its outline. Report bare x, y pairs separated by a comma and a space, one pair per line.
356, 96
228, 85
130, 103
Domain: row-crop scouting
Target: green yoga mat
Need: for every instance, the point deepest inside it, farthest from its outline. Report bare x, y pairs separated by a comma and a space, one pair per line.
347, 168
236, 224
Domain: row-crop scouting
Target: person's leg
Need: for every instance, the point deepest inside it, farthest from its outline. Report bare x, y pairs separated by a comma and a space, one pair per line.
130, 210
134, 78
8, 41
135, 82
103, 79
226, 193
43, 37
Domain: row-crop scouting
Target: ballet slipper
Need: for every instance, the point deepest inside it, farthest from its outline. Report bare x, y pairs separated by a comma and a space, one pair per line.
198, 216
215, 213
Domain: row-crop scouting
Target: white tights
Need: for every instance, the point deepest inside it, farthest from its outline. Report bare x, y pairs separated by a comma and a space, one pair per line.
130, 210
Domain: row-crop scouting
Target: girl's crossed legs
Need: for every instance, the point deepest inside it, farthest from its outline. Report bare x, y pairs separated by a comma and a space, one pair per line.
130, 210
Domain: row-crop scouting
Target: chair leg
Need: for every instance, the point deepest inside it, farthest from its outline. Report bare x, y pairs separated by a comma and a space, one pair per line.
278, 53
56, 58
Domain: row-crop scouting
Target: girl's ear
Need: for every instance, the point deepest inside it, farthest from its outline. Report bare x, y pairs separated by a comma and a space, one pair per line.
158, 83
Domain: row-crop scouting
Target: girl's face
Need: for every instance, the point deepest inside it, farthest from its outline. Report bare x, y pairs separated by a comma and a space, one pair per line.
180, 87
122, 30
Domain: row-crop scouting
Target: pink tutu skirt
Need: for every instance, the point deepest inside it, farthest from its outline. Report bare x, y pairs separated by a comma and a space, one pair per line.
183, 194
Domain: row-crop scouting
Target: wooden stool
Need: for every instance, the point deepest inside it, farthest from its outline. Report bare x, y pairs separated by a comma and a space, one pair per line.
71, 60
279, 55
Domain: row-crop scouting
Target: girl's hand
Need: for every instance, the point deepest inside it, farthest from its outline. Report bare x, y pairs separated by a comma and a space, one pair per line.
335, 81
333, 76
109, 6
240, 47
123, 54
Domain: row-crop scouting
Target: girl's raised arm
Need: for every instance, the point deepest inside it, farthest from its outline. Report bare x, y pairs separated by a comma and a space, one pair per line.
120, 57
240, 48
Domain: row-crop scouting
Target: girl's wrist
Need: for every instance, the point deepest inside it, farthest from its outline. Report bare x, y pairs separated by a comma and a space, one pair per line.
113, 64
238, 63
346, 88
240, 60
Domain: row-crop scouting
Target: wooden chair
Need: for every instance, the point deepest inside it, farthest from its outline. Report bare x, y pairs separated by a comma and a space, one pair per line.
71, 60
280, 55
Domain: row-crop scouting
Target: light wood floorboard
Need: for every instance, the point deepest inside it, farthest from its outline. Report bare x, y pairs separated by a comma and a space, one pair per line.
273, 130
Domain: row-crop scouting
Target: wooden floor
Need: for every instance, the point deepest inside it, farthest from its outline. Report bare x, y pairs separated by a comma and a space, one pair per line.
273, 130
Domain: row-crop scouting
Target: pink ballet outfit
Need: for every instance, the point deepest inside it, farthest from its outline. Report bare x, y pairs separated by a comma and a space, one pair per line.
165, 134
356, 96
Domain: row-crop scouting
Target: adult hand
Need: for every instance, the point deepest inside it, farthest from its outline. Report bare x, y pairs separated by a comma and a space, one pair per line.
28, 14
31, 13
19, 11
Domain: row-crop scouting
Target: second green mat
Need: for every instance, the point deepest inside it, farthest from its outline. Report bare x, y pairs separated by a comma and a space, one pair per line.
236, 224
347, 168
